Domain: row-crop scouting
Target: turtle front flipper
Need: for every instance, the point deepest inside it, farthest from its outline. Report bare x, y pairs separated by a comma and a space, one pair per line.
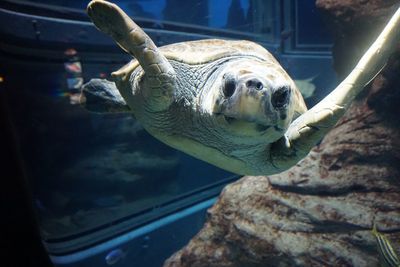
308, 129
102, 96
159, 74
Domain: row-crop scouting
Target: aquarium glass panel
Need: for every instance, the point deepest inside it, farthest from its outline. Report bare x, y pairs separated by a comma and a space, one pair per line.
310, 27
89, 171
245, 16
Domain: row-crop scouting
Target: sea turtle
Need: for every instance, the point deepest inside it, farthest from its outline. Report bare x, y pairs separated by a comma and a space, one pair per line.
228, 103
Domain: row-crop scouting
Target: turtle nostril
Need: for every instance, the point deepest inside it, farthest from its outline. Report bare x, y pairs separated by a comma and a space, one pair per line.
255, 83
280, 97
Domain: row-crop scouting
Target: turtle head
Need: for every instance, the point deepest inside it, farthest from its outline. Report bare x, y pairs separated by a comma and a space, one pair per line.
256, 98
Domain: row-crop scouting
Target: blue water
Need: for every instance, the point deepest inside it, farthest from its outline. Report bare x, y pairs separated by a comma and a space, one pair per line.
97, 179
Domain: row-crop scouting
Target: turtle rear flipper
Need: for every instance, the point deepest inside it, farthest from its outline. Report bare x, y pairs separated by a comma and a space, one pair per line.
102, 96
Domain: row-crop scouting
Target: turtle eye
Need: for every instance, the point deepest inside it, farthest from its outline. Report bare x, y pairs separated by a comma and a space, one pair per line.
229, 86
280, 97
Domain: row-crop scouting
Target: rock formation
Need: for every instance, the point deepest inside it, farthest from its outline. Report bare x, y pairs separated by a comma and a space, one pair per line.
321, 211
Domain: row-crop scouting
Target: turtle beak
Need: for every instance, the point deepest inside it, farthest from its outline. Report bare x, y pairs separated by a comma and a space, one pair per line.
245, 104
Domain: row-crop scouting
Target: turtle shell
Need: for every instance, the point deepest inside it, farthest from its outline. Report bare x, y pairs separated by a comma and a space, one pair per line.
202, 52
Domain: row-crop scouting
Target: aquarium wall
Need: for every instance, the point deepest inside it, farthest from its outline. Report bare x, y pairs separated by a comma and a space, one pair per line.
100, 183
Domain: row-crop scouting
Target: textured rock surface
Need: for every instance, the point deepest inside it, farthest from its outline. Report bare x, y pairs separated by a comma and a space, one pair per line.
320, 212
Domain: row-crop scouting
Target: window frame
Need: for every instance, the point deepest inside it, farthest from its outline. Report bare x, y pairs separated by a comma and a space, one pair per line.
290, 22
